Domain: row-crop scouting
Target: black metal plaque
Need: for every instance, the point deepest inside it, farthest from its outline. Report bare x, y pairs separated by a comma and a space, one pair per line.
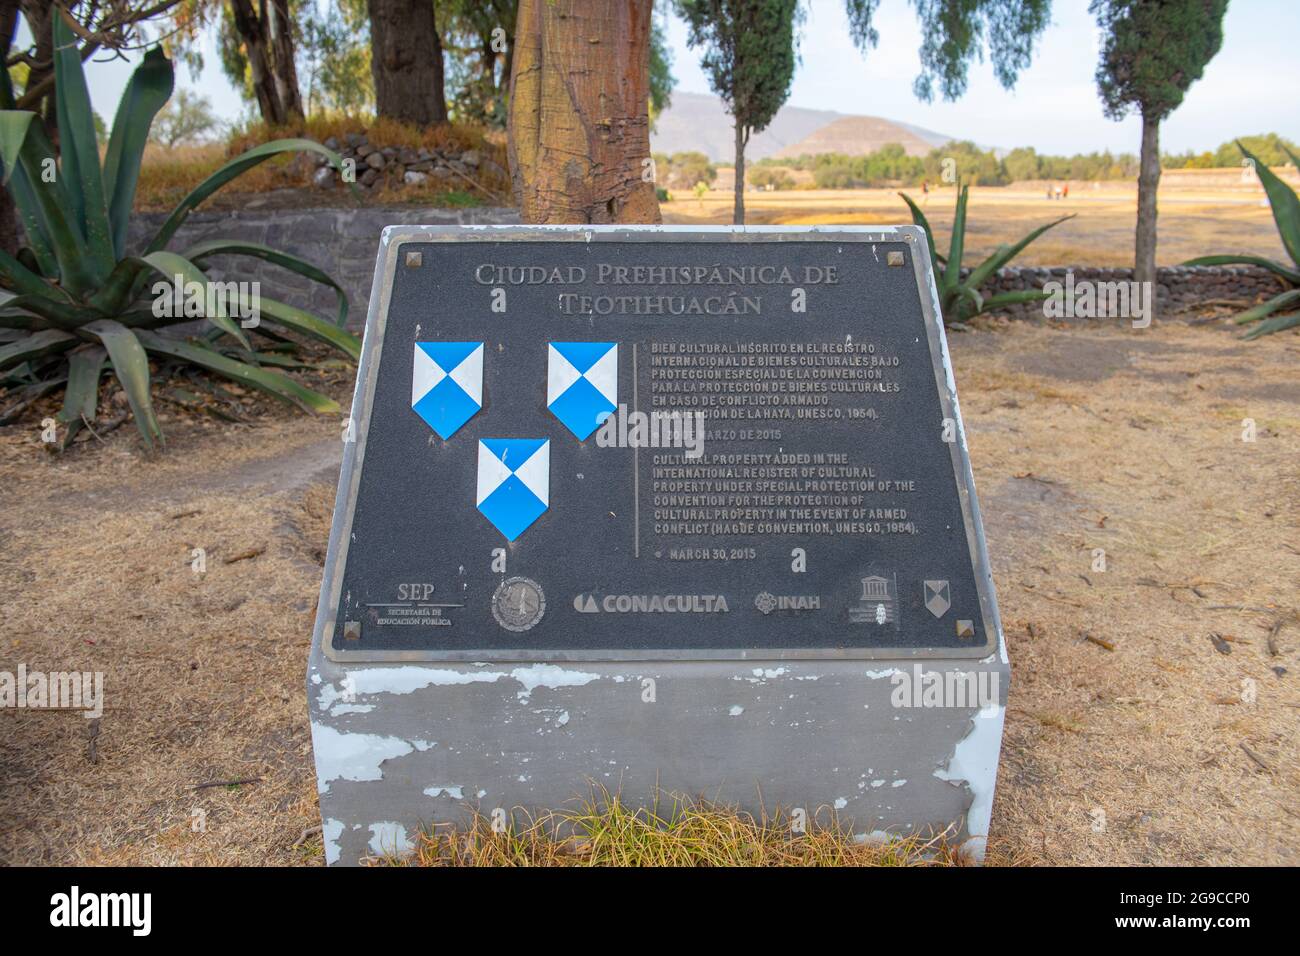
587, 444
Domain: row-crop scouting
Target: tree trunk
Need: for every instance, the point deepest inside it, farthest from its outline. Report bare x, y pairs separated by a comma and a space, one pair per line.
1144, 266
507, 66
40, 19
406, 61
280, 29
10, 236
579, 129
252, 30
738, 214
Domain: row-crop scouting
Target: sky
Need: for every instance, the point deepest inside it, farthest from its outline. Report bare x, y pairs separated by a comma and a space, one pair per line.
1250, 87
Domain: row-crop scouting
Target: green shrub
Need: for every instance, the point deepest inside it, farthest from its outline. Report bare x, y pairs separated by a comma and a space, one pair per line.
959, 297
72, 301
1286, 213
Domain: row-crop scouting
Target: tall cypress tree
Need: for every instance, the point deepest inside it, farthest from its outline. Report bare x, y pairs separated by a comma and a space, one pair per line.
1153, 50
749, 57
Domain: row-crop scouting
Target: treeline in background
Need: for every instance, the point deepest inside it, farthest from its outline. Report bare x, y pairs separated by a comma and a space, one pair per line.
892, 166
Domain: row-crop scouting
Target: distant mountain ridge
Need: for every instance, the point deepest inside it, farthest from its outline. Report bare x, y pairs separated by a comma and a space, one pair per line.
696, 121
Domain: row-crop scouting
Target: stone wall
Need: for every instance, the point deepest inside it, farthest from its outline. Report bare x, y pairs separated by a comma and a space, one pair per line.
344, 243
1178, 288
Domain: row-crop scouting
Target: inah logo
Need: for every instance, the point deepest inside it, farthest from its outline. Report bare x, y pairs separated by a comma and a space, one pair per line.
103, 909
767, 603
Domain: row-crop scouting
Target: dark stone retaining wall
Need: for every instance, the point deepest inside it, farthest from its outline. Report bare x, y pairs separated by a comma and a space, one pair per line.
344, 243
1178, 288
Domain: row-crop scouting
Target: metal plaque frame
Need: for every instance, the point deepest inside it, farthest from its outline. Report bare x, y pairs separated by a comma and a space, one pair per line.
390, 252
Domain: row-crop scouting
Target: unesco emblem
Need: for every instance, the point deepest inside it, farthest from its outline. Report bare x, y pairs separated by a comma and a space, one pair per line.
518, 604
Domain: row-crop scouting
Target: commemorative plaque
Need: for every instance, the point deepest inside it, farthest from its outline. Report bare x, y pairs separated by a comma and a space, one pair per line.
605, 465
675, 445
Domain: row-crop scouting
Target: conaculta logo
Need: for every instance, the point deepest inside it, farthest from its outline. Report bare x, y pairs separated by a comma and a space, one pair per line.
103, 909
651, 603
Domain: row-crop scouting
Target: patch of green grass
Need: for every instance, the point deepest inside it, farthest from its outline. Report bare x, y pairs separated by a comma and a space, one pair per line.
460, 198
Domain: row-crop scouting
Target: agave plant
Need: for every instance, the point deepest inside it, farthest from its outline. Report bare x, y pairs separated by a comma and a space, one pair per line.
1286, 213
959, 296
72, 301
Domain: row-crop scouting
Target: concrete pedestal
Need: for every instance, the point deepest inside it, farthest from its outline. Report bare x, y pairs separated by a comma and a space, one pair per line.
400, 746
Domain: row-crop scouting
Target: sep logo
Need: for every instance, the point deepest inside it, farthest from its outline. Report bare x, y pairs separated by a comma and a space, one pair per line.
414, 591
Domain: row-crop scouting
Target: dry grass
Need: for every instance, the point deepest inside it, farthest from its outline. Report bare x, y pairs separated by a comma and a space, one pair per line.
1210, 219
1107, 438
381, 131
167, 175
677, 831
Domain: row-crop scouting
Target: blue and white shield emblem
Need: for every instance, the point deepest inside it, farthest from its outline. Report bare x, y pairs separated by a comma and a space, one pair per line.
582, 384
514, 482
447, 384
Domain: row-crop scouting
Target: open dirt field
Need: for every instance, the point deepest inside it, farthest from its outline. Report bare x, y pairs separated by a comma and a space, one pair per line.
1133, 735
1199, 215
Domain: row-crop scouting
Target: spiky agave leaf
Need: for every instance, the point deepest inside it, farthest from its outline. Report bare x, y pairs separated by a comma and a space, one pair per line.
13, 133
957, 247
1278, 323
81, 396
34, 346
231, 247
146, 93
918, 219
1277, 268
1004, 253
1291, 297
169, 265
131, 366
53, 213
274, 383
1285, 205
79, 150
1283, 201
301, 321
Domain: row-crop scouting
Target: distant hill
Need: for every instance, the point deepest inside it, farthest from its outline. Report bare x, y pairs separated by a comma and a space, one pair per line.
699, 122
859, 135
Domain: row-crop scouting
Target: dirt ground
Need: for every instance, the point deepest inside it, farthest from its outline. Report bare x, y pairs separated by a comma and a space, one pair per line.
1195, 220
1133, 736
